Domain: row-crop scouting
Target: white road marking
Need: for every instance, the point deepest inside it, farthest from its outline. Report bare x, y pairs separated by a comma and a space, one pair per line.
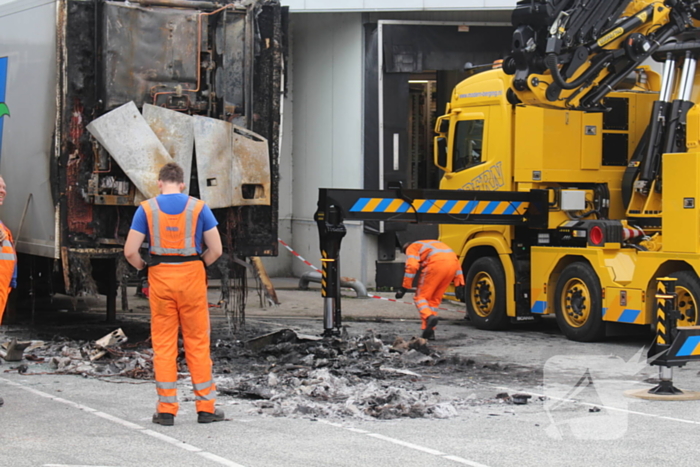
218, 459
133, 426
406, 444
417, 447
590, 404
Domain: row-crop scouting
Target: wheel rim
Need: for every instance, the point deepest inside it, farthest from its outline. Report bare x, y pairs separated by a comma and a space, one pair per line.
481, 294
576, 302
687, 305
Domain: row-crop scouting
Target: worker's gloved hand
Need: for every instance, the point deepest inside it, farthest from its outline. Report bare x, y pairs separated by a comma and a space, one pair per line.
142, 273
400, 293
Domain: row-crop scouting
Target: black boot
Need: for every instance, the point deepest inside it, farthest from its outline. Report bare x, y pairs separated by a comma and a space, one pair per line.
429, 331
165, 419
207, 417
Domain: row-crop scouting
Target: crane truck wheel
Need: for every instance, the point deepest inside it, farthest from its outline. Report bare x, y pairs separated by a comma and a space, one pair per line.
688, 291
578, 303
485, 294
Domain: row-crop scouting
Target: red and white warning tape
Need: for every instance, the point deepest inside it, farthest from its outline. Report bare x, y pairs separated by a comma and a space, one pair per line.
369, 295
297, 255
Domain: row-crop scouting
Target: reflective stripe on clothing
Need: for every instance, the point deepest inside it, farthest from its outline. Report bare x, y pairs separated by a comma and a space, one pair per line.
160, 385
208, 397
202, 386
8, 252
167, 399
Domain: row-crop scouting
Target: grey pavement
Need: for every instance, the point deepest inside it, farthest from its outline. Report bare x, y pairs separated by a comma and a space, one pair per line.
577, 415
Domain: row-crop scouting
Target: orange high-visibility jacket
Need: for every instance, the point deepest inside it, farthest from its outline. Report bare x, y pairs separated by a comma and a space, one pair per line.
428, 253
8, 258
173, 234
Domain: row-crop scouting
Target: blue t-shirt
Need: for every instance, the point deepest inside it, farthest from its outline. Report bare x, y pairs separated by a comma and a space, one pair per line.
174, 204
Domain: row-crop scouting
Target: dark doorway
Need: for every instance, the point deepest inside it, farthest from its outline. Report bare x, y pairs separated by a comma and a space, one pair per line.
421, 64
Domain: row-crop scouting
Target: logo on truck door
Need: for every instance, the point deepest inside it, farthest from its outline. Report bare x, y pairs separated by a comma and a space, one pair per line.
4, 110
489, 180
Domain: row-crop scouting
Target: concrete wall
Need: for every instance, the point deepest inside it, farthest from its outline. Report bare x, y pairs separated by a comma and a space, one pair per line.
327, 143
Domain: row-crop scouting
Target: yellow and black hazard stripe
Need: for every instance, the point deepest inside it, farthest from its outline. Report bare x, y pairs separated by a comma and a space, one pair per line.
440, 206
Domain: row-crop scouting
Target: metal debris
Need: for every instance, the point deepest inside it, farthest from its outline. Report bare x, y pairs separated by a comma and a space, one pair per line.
15, 350
102, 345
521, 399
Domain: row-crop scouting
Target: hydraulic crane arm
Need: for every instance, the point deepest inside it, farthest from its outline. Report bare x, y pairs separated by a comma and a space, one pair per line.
419, 206
572, 53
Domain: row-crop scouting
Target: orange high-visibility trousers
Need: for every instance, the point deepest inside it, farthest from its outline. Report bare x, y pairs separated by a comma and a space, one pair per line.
8, 258
433, 281
178, 299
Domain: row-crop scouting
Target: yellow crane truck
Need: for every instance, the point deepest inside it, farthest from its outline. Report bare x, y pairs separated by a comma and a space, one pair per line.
576, 110
572, 172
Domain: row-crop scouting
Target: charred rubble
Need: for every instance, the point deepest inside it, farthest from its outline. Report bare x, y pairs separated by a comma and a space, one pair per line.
285, 373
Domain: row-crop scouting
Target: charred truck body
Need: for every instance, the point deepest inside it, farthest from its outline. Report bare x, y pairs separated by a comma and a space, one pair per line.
101, 93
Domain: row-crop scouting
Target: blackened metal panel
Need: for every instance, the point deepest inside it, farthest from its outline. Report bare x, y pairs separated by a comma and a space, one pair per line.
176, 131
230, 79
132, 143
147, 49
214, 146
256, 226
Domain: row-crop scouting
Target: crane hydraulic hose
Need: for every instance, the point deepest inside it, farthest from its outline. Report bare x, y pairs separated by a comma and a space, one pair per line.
623, 28
552, 63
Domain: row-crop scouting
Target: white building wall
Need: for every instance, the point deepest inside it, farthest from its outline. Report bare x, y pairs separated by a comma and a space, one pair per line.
327, 143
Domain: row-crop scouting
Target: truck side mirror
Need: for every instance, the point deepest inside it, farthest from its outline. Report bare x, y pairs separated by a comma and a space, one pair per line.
444, 125
441, 152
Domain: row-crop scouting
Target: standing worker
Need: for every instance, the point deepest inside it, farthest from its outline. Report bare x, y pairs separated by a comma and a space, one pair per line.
439, 266
8, 261
176, 224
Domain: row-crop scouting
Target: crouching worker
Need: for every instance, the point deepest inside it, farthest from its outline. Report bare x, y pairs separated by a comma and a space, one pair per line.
439, 266
177, 226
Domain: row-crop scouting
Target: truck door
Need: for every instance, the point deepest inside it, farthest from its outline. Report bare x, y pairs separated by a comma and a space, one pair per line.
472, 164
466, 148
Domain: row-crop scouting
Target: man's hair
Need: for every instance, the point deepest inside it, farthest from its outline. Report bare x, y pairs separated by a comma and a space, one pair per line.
172, 173
405, 246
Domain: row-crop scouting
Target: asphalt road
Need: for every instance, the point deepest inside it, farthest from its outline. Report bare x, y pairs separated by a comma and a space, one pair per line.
577, 414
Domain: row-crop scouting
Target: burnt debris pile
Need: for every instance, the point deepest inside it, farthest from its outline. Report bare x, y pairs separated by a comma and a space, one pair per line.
110, 356
285, 373
288, 374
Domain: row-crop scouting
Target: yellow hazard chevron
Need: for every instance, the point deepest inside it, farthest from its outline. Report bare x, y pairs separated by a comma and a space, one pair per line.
440, 206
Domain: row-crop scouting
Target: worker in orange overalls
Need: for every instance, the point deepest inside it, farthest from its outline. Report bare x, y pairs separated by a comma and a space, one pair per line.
8, 261
177, 226
439, 266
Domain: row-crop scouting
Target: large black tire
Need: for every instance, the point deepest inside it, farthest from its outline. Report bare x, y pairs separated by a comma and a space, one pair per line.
485, 294
578, 303
688, 291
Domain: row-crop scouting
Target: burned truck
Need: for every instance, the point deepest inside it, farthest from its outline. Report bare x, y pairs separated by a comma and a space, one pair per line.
99, 94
